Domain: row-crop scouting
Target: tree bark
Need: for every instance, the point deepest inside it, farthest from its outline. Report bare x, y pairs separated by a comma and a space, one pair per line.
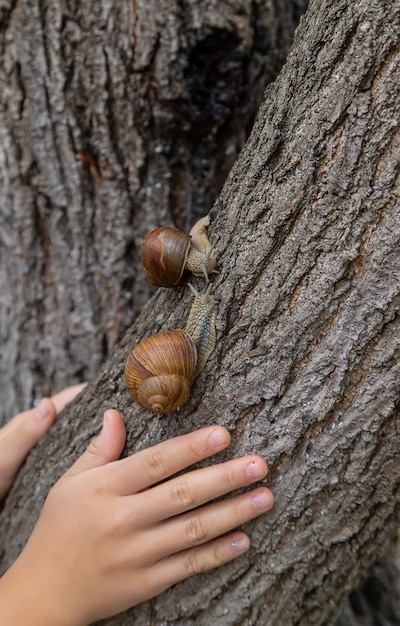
114, 117
376, 601
306, 368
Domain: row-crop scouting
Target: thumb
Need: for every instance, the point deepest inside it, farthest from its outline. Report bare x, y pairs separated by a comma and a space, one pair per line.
104, 448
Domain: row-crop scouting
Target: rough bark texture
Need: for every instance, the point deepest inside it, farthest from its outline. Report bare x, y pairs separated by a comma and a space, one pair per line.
306, 369
376, 601
114, 118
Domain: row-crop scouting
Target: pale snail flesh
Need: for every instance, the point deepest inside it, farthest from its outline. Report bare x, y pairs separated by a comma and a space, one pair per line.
201, 325
202, 257
167, 252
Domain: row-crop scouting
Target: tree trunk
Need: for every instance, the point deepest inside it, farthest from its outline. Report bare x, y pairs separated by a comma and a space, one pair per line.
306, 368
376, 601
114, 117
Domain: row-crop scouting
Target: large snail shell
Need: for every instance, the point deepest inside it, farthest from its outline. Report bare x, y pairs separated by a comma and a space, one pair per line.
164, 393
160, 371
164, 252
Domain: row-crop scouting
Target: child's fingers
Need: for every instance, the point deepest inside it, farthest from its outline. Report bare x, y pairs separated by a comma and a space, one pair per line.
150, 466
36, 421
22, 433
104, 448
200, 559
62, 398
205, 524
195, 488
19, 436
25, 429
206, 557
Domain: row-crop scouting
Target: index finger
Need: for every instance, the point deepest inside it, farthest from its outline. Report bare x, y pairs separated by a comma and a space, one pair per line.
68, 394
152, 465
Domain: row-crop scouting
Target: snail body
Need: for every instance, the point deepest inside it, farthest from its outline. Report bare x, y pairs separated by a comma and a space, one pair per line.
202, 258
160, 370
200, 325
167, 252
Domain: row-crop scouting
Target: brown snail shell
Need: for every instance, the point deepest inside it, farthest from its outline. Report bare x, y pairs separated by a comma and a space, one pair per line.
164, 252
160, 370
167, 252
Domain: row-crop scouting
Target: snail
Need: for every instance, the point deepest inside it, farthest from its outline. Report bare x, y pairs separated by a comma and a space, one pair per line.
160, 370
167, 252
200, 325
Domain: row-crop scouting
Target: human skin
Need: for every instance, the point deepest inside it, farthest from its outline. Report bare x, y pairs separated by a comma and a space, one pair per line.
22, 432
111, 536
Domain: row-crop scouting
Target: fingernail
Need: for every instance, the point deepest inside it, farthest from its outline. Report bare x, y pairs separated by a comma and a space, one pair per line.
42, 411
261, 500
218, 438
255, 470
241, 544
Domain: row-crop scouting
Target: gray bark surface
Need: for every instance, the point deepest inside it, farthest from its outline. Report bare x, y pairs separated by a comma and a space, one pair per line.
376, 601
114, 118
306, 368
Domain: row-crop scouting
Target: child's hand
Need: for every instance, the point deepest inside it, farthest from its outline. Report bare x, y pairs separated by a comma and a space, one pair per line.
21, 434
112, 535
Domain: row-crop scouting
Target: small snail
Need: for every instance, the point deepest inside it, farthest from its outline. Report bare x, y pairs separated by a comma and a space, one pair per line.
167, 252
161, 369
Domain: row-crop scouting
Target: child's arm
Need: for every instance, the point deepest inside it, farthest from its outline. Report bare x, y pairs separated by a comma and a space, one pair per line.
23, 432
111, 536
